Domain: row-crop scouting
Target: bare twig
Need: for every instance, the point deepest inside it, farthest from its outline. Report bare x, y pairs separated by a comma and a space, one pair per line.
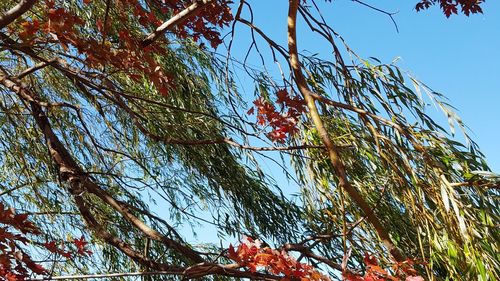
389, 14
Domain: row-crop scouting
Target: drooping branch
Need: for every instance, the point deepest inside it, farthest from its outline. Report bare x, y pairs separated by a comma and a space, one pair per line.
15, 12
271, 43
79, 183
68, 169
76, 75
70, 172
333, 154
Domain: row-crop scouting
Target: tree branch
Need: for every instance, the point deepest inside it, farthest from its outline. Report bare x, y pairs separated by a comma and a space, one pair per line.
34, 68
190, 11
79, 183
71, 172
15, 12
334, 155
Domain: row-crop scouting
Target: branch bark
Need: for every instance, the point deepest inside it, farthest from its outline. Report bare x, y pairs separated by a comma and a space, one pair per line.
179, 18
79, 183
15, 12
333, 154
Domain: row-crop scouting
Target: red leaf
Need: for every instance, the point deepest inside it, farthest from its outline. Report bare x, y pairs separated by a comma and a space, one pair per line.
51, 246
81, 246
370, 260
99, 25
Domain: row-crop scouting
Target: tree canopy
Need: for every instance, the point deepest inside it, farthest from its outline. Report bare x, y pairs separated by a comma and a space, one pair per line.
110, 110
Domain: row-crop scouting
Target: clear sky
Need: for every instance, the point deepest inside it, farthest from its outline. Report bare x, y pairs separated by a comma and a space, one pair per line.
458, 57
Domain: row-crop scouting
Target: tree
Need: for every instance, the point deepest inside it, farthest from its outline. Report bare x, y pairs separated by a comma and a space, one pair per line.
110, 105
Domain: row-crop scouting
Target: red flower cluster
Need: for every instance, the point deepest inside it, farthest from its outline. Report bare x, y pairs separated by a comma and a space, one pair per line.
250, 254
283, 123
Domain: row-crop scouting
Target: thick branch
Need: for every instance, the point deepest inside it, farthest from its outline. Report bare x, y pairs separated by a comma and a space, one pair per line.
69, 172
334, 155
123, 209
34, 68
79, 183
78, 180
196, 271
15, 12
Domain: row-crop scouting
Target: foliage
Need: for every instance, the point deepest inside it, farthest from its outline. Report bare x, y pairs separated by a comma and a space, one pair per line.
251, 254
403, 271
283, 124
15, 263
109, 108
451, 7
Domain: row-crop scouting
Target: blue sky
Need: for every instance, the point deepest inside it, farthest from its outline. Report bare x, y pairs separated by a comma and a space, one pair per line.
457, 56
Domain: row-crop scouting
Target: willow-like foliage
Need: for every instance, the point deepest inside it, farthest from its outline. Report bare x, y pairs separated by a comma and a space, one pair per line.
428, 184
194, 157
435, 195
138, 145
